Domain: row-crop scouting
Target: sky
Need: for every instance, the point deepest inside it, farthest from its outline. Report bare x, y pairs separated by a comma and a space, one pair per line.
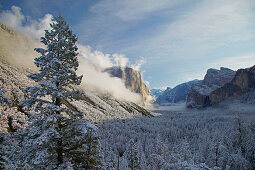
169, 41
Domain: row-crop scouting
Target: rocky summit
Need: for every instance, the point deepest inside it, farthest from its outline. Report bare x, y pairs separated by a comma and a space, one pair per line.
220, 85
243, 82
132, 79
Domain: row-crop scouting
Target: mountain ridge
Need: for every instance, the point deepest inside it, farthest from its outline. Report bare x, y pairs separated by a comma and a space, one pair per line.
177, 94
216, 88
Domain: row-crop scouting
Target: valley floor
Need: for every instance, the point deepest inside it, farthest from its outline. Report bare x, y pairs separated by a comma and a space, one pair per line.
222, 138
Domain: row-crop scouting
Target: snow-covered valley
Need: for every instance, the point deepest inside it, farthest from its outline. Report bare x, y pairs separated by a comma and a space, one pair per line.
214, 138
107, 120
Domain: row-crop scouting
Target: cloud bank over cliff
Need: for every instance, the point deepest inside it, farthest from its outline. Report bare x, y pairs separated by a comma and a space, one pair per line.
92, 62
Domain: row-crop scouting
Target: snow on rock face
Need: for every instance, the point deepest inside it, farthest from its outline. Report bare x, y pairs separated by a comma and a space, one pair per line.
220, 85
216, 77
243, 82
197, 96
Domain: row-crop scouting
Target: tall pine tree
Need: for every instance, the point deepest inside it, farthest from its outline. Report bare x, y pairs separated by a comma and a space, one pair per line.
46, 142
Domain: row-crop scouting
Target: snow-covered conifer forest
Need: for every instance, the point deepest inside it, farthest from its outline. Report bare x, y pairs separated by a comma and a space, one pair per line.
49, 121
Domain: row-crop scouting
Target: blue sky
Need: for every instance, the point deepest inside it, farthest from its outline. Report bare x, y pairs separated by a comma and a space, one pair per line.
178, 39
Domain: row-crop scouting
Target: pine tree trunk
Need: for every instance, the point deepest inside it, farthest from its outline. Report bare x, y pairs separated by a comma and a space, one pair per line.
59, 142
118, 162
216, 161
89, 152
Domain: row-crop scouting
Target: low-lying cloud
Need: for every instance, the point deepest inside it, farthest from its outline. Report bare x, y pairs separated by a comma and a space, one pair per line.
15, 19
92, 62
102, 83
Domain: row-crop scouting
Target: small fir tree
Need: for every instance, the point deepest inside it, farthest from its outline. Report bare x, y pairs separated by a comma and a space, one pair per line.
135, 156
160, 154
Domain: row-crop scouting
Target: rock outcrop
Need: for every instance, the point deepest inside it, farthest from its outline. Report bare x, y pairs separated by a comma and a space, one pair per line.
228, 86
217, 78
132, 79
243, 82
177, 94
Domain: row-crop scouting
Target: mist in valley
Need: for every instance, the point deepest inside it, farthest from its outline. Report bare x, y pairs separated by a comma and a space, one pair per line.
132, 133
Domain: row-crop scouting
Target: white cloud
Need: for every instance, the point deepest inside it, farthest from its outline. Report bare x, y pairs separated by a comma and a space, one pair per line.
96, 57
101, 82
12, 18
92, 62
102, 61
138, 64
236, 62
15, 19
211, 24
120, 60
132, 10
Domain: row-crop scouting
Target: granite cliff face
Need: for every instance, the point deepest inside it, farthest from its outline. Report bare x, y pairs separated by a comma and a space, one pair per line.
243, 82
132, 79
219, 87
198, 96
13, 79
177, 94
217, 78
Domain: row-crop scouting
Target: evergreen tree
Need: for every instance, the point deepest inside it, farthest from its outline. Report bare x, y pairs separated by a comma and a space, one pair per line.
84, 151
47, 141
135, 156
2, 152
160, 154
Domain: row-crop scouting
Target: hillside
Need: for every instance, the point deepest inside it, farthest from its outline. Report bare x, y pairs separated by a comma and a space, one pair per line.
95, 108
13, 71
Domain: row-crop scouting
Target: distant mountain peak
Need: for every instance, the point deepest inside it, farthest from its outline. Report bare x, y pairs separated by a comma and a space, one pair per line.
177, 94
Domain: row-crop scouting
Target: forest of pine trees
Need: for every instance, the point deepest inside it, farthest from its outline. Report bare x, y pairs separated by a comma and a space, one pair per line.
57, 136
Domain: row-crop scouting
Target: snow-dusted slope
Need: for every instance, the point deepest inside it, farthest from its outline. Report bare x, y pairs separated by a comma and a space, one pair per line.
94, 108
16, 61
